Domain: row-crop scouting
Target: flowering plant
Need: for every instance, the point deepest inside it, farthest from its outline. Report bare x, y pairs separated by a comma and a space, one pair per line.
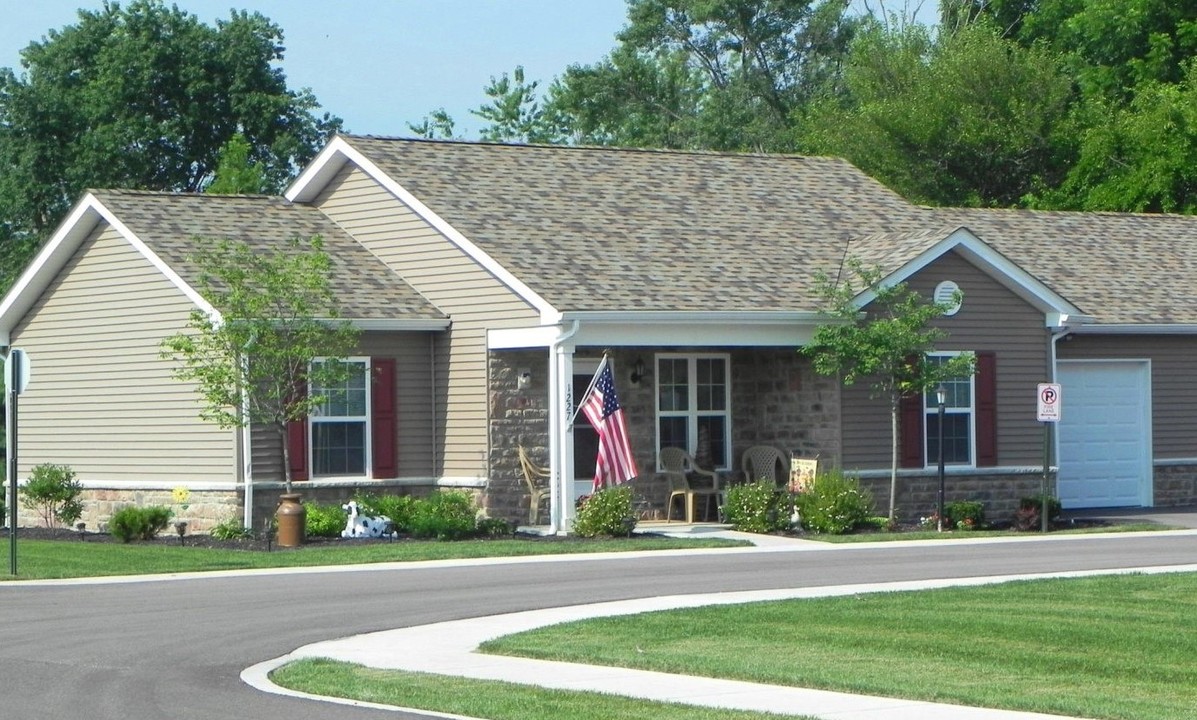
181, 495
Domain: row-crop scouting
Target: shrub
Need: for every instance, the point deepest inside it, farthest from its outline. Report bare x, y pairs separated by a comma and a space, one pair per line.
834, 504
1028, 517
964, 514
444, 515
606, 512
325, 521
757, 508
399, 508
1036, 501
493, 527
139, 523
53, 492
230, 529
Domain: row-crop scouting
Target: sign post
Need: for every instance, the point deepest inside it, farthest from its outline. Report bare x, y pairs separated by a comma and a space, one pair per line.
1048, 414
16, 379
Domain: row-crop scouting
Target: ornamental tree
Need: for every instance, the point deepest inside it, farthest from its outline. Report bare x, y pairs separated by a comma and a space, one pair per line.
274, 316
884, 341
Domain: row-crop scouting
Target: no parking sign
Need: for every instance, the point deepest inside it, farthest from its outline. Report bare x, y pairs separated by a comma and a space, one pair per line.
1049, 402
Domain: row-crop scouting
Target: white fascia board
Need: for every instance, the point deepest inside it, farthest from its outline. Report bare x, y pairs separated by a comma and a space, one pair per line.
665, 329
400, 324
334, 156
1135, 329
57, 252
1001, 268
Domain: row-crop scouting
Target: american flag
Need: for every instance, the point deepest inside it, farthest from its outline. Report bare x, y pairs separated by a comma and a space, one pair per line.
615, 463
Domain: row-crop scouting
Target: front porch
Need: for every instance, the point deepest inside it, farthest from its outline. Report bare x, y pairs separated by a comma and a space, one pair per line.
715, 402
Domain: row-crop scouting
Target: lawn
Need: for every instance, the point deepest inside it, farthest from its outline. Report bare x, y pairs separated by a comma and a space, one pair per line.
1118, 647
53, 559
1103, 647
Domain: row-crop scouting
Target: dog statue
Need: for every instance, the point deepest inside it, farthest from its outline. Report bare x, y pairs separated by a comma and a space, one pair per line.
362, 526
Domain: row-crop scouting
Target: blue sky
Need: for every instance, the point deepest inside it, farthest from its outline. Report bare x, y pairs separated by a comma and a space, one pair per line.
380, 64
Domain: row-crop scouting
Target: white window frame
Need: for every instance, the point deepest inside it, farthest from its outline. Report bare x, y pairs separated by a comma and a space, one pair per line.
931, 408
693, 413
316, 418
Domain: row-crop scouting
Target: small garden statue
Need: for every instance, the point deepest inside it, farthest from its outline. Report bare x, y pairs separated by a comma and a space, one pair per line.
361, 526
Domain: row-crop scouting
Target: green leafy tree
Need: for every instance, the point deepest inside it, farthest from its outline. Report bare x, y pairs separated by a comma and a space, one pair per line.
437, 124
236, 172
885, 343
967, 119
276, 315
514, 111
143, 97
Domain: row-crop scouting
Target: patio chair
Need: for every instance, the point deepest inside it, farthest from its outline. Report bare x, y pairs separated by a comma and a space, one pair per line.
532, 474
686, 480
765, 462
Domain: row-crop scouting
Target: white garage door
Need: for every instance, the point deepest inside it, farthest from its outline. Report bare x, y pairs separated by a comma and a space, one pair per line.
1105, 434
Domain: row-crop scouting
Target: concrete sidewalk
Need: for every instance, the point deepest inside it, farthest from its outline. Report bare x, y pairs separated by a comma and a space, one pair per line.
449, 649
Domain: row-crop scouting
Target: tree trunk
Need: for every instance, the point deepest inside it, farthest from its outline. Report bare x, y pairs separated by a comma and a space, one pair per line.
282, 434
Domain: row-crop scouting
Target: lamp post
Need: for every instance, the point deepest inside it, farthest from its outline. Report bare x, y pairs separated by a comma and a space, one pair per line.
941, 395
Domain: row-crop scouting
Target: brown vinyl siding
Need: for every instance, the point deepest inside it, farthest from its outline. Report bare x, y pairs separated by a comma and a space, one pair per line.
97, 380
458, 286
992, 318
1173, 383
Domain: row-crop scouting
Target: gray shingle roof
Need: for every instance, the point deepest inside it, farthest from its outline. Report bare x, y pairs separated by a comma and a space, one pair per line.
619, 229
1117, 267
170, 223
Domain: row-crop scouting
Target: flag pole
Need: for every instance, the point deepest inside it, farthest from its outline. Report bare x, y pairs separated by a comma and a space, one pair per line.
578, 405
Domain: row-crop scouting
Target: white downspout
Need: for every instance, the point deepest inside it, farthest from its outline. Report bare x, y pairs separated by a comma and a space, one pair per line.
1055, 336
559, 383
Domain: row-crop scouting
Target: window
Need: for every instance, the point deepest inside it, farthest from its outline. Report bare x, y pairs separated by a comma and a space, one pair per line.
958, 419
340, 425
694, 407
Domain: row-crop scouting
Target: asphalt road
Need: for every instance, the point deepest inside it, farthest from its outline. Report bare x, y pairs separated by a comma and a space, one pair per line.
148, 650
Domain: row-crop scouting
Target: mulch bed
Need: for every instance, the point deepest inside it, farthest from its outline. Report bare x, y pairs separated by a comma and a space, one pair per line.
256, 543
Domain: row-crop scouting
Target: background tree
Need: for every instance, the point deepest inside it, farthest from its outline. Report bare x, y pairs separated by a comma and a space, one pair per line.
276, 316
142, 96
967, 119
885, 343
236, 173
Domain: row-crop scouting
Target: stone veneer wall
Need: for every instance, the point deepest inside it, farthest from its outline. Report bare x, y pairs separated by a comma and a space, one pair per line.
777, 399
1175, 484
918, 493
205, 508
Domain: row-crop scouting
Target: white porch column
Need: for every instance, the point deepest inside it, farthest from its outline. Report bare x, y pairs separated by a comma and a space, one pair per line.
561, 435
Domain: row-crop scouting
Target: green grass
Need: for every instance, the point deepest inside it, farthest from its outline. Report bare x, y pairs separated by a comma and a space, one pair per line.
866, 537
1107, 647
47, 559
481, 698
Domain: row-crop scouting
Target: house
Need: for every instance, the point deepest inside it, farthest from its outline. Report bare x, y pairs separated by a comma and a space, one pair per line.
489, 280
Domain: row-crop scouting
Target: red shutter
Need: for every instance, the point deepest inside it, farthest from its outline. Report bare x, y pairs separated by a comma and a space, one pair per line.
986, 384
383, 425
297, 438
910, 430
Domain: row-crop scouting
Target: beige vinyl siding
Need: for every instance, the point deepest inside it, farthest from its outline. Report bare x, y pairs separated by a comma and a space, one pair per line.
413, 386
991, 319
1173, 383
100, 398
455, 283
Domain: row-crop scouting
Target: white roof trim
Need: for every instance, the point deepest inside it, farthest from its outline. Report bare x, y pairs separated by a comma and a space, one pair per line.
339, 151
399, 324
1131, 329
1019, 281
59, 250
667, 329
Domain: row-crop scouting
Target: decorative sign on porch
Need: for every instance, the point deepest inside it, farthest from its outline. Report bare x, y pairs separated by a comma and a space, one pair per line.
1049, 402
802, 473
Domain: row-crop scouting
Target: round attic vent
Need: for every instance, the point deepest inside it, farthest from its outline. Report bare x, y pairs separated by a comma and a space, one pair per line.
945, 294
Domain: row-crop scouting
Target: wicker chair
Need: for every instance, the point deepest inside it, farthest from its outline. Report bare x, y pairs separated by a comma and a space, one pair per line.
686, 480
532, 474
